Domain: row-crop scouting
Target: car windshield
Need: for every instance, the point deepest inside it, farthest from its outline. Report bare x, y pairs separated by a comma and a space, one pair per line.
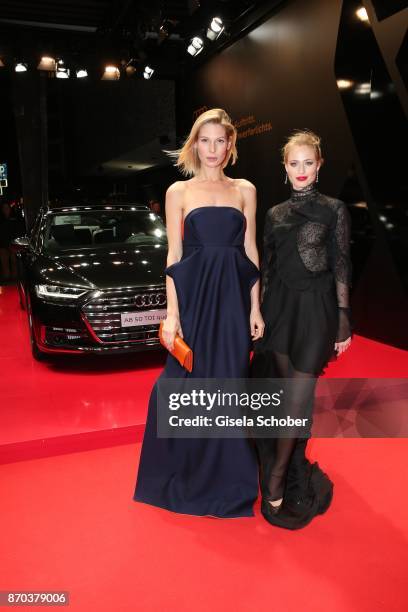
103, 228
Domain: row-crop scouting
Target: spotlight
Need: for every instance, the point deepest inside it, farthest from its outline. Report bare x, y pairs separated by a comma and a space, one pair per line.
196, 46
47, 63
148, 72
111, 73
215, 28
344, 83
363, 89
362, 14
130, 67
20, 67
62, 72
81, 73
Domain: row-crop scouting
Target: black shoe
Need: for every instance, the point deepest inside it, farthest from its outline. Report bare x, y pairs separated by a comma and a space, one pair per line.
272, 509
300, 504
290, 514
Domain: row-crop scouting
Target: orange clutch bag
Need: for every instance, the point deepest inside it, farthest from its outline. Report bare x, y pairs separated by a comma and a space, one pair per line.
181, 351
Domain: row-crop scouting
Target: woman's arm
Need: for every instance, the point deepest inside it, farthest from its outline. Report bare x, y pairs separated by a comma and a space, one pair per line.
174, 217
342, 274
248, 192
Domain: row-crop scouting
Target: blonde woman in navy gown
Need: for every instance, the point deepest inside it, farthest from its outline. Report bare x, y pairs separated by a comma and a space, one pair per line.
212, 284
306, 275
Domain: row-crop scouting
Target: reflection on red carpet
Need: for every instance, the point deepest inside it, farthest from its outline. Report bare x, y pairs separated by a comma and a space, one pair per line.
80, 403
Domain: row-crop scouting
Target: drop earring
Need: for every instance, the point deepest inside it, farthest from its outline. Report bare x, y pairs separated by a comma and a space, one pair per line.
286, 178
317, 176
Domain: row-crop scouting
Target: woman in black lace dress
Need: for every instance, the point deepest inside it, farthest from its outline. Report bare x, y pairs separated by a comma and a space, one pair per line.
306, 275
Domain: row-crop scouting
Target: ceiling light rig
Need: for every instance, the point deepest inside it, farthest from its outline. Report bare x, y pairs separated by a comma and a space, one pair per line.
362, 14
215, 29
20, 67
130, 68
111, 73
62, 73
148, 72
47, 63
344, 83
75, 65
196, 46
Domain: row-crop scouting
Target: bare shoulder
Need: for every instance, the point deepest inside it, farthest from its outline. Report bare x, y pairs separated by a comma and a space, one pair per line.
245, 186
176, 189
175, 200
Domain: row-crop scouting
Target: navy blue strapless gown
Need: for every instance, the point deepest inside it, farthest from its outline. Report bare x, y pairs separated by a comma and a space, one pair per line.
213, 280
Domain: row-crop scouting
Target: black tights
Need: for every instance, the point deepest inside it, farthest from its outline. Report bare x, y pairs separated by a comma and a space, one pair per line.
275, 454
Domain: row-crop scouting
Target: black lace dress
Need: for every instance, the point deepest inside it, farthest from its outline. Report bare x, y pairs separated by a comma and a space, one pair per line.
306, 275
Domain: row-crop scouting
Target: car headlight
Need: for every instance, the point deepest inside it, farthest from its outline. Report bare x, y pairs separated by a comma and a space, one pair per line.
59, 292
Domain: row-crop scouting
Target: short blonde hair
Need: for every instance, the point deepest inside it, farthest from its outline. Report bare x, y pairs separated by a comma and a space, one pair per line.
302, 137
187, 160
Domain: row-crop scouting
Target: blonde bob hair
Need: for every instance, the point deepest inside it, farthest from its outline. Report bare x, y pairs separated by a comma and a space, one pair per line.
302, 137
187, 160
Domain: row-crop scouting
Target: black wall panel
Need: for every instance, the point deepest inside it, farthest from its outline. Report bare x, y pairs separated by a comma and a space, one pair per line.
284, 75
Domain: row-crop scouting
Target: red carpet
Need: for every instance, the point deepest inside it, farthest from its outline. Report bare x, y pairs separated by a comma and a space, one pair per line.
68, 522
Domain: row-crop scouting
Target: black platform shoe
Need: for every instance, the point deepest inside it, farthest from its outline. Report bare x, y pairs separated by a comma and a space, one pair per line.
290, 514
273, 509
301, 504
306, 495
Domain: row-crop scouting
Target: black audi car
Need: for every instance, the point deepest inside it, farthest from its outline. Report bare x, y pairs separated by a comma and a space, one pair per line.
92, 279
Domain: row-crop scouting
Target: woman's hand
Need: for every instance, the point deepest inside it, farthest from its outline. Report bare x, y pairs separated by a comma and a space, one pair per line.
340, 347
257, 324
171, 327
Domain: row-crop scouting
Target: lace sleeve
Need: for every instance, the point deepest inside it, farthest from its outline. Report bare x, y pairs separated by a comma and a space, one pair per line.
342, 270
268, 254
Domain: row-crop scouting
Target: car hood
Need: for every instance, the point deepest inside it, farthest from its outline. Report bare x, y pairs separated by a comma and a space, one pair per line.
101, 270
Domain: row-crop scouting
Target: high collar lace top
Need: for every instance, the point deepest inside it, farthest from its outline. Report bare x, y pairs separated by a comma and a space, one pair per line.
307, 193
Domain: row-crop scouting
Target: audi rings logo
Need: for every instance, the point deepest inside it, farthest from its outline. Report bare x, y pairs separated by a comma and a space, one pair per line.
150, 299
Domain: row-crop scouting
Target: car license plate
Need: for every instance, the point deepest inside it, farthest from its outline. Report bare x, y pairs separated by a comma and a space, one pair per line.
148, 317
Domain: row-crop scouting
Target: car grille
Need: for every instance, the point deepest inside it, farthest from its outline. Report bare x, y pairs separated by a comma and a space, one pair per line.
103, 314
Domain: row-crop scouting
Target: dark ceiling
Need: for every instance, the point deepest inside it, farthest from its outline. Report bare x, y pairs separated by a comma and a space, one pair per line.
93, 32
